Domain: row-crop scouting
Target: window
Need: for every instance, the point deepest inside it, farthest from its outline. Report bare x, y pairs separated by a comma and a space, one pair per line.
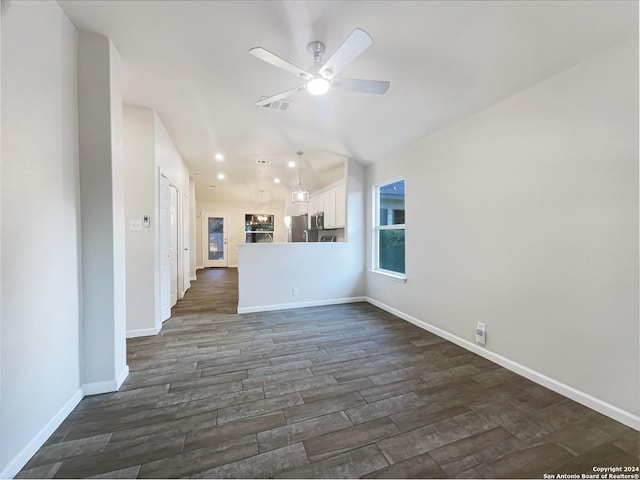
258, 228
388, 231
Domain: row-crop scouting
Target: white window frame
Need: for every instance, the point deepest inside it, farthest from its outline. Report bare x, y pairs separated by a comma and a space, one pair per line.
375, 234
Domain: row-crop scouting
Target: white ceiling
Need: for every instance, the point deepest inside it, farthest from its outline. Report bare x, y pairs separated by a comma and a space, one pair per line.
446, 60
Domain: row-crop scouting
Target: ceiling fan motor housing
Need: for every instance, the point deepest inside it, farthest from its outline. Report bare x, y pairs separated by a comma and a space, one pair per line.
316, 49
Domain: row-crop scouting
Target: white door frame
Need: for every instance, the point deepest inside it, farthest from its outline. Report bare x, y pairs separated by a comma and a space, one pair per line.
205, 240
164, 232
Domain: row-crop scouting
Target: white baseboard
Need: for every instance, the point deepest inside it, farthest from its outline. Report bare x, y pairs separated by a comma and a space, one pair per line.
96, 388
20, 460
194, 278
310, 303
199, 267
122, 377
143, 332
618, 414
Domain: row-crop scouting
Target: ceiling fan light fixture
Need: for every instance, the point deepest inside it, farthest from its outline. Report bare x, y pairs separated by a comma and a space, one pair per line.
318, 86
323, 75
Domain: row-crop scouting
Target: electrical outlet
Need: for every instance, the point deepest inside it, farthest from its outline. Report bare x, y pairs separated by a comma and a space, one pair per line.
481, 333
296, 291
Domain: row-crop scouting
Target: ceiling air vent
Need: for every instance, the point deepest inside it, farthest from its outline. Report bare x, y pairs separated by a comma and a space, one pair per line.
263, 162
278, 105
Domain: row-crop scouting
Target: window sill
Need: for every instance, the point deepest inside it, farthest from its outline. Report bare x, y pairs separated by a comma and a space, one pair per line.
396, 277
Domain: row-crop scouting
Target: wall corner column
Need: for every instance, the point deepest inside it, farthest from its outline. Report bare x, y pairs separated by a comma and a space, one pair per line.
103, 350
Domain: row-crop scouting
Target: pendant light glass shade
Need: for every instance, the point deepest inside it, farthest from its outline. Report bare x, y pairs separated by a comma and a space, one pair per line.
300, 196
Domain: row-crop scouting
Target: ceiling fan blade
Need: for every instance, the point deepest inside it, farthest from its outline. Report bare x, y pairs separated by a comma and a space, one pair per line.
280, 96
354, 45
276, 61
377, 87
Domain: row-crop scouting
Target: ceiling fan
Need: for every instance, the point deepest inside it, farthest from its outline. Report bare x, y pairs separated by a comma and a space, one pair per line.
321, 77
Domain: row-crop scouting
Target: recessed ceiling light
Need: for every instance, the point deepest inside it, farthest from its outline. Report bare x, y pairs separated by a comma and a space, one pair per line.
291, 164
276, 180
219, 156
221, 176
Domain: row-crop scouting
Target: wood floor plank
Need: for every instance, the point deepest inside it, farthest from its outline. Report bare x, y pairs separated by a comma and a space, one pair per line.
393, 389
333, 443
353, 464
257, 407
210, 437
322, 407
193, 461
469, 452
47, 470
304, 384
383, 408
421, 466
69, 449
303, 430
531, 462
421, 440
426, 415
334, 390
120, 457
262, 465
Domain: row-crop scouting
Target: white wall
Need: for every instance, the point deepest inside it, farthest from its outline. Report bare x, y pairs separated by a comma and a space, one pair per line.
236, 232
40, 374
168, 158
140, 176
323, 272
149, 151
525, 217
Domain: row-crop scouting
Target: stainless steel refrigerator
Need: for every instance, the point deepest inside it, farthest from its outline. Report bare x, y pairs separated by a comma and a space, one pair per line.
300, 231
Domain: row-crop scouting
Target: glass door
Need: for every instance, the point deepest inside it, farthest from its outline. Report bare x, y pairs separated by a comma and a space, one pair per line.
214, 239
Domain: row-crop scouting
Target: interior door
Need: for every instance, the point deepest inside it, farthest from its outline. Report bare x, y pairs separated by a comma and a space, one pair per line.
214, 229
165, 271
186, 254
173, 243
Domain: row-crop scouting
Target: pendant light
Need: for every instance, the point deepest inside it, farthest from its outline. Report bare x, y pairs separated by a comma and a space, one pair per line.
300, 196
262, 217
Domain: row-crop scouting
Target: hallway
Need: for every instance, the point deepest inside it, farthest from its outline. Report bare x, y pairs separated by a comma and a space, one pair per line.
324, 392
215, 290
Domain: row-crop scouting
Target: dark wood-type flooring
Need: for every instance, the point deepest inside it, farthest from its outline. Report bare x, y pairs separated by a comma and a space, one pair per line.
340, 391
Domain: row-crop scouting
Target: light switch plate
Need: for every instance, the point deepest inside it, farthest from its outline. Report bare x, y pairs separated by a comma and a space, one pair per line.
135, 225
